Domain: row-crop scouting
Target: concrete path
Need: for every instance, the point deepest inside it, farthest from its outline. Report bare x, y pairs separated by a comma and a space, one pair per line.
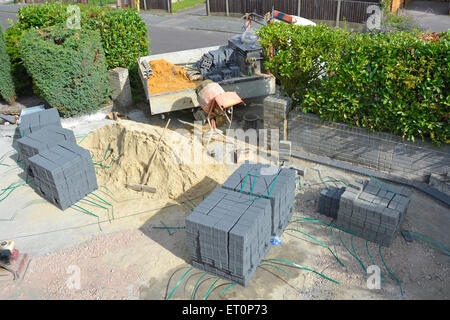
431, 15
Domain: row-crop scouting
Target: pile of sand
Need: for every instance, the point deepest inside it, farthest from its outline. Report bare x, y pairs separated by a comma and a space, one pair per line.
126, 147
167, 77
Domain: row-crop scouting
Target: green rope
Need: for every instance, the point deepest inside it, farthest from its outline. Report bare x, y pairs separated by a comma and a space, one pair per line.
245, 180
273, 184
101, 199
253, 185
340, 237
426, 241
304, 268
87, 211
274, 266
210, 288
373, 262
95, 204
82, 139
440, 244
381, 184
223, 291
302, 219
106, 152
179, 281
321, 243
101, 165
398, 281
196, 284
356, 255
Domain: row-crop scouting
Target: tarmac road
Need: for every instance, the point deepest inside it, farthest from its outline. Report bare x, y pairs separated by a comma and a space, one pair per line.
188, 30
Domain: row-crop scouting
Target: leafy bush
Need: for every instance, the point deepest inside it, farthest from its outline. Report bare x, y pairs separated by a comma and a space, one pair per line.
6, 81
123, 32
391, 82
68, 67
21, 78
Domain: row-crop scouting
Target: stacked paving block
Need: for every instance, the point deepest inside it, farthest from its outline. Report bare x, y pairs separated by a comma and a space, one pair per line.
275, 183
329, 201
35, 121
373, 211
42, 139
64, 174
63, 171
229, 233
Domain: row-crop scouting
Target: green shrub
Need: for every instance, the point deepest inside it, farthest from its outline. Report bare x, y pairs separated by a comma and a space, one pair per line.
391, 82
6, 81
68, 68
21, 78
123, 32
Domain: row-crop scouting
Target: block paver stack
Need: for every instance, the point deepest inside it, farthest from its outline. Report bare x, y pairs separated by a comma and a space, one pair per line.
63, 171
373, 211
64, 174
229, 233
278, 184
329, 201
43, 139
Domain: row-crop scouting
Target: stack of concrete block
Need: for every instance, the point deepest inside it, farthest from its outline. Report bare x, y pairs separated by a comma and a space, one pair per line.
229, 234
373, 211
64, 174
63, 171
329, 201
32, 122
275, 183
43, 139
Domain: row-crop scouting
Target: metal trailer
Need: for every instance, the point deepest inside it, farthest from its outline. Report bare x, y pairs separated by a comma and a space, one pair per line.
247, 87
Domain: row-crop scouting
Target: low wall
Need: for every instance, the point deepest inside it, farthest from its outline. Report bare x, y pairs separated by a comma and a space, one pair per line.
379, 151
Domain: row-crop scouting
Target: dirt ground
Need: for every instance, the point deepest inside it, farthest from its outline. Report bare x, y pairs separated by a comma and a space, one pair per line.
137, 261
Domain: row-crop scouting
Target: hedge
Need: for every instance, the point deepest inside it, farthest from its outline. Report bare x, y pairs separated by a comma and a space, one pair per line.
68, 68
390, 82
123, 32
6, 82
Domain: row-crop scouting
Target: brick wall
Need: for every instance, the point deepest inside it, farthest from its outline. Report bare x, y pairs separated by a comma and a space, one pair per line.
374, 150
